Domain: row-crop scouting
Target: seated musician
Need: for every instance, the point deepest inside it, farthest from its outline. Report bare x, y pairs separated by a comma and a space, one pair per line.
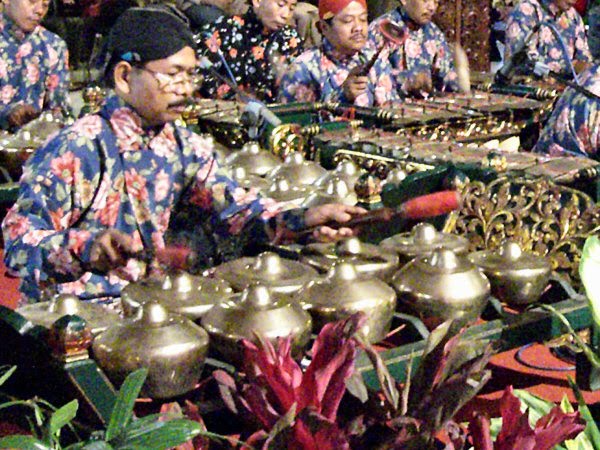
251, 49
335, 70
544, 45
105, 187
34, 71
424, 63
573, 126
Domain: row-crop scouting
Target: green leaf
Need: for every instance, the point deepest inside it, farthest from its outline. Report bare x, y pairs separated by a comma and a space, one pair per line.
589, 267
538, 407
566, 406
284, 422
162, 435
123, 410
23, 442
7, 375
63, 416
591, 430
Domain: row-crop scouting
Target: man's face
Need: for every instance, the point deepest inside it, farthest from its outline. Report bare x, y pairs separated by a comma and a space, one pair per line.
274, 14
347, 31
420, 11
159, 90
27, 14
564, 5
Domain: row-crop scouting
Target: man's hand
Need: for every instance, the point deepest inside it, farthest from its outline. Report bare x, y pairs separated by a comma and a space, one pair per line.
21, 114
354, 86
111, 249
419, 85
332, 212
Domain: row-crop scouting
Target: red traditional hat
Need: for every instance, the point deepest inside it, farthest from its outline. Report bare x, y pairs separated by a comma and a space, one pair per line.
329, 8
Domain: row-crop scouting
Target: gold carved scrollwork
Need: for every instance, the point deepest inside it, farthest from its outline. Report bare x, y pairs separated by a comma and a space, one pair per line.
285, 139
543, 217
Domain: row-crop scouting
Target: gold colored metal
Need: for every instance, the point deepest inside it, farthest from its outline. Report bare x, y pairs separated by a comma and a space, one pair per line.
297, 170
516, 277
286, 139
344, 292
256, 311
542, 217
253, 159
441, 286
172, 347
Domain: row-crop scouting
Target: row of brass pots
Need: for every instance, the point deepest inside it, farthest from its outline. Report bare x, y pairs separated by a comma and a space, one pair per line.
435, 286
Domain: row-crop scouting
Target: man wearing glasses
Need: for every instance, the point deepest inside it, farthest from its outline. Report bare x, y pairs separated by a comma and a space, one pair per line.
34, 71
105, 188
423, 63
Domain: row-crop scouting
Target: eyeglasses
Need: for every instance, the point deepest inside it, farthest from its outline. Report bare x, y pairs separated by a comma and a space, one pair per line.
175, 82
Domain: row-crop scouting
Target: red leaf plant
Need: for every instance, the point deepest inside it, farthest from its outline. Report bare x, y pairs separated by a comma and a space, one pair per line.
296, 409
191, 412
549, 431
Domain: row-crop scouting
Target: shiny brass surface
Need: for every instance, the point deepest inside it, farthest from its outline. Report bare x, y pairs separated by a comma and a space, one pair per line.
297, 170
283, 191
278, 274
247, 180
441, 286
253, 159
542, 217
172, 347
256, 311
334, 191
344, 292
285, 139
347, 170
368, 259
422, 240
516, 277
189, 295
45, 314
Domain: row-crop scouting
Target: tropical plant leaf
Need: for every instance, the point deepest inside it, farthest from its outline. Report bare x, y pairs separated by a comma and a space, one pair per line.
23, 442
355, 384
160, 435
6, 375
284, 422
591, 430
62, 416
538, 407
386, 380
94, 445
123, 410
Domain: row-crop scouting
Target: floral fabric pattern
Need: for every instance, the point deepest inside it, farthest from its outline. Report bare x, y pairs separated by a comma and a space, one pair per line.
544, 45
106, 171
574, 126
34, 70
424, 51
252, 53
317, 75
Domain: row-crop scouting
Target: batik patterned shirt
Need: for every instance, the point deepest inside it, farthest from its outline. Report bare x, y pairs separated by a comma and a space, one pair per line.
252, 53
106, 171
544, 45
34, 70
318, 75
424, 51
574, 126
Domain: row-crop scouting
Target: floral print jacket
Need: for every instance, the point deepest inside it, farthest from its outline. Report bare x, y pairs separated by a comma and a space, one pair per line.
424, 51
252, 53
544, 46
574, 126
317, 75
105, 171
34, 70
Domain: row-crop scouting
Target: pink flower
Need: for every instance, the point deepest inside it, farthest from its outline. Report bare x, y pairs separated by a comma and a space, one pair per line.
88, 126
52, 57
412, 48
66, 167
526, 8
303, 93
7, 93
162, 185
78, 240
213, 42
164, 143
23, 50
136, 185
33, 73
3, 69
36, 236
127, 127
16, 224
52, 82
109, 213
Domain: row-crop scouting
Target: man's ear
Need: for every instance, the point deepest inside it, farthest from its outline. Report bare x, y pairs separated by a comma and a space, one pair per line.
122, 74
322, 26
